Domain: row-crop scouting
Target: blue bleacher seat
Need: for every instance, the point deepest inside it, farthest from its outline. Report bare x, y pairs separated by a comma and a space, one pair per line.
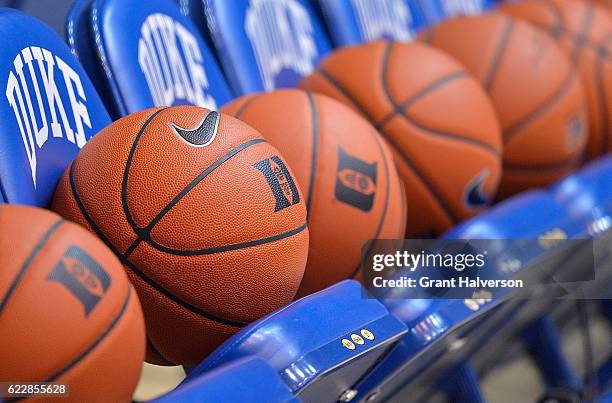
50, 111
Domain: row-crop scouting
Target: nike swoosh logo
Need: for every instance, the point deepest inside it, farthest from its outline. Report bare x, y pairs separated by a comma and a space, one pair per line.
474, 195
203, 134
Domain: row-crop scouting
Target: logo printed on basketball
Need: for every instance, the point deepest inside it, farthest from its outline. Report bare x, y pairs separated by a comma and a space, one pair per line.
203, 134
33, 91
576, 132
356, 181
281, 35
474, 195
82, 276
280, 181
171, 60
383, 19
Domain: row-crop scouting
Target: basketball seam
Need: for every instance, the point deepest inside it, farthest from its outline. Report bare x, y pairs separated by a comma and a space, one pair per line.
432, 190
244, 106
332, 80
498, 56
26, 264
515, 129
135, 269
561, 30
128, 163
544, 167
144, 234
226, 248
558, 16
605, 130
315, 151
420, 94
582, 37
151, 347
97, 341
383, 216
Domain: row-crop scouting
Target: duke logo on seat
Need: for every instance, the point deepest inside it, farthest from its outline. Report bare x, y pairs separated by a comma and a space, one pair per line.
282, 37
172, 62
38, 90
390, 19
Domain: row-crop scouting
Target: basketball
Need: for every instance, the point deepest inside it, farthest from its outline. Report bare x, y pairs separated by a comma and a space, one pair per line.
345, 171
537, 94
204, 214
65, 299
439, 123
584, 30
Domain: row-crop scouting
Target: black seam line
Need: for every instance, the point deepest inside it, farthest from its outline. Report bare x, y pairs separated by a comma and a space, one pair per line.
136, 270
582, 37
603, 100
315, 152
340, 87
101, 337
244, 106
559, 24
445, 206
155, 351
568, 162
385, 208
227, 248
144, 234
502, 44
601, 50
26, 265
527, 120
128, 165
399, 110
559, 29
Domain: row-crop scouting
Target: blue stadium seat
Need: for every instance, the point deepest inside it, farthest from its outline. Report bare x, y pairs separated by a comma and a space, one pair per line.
51, 110
358, 21
588, 193
147, 54
320, 345
266, 44
352, 22
436, 325
248, 379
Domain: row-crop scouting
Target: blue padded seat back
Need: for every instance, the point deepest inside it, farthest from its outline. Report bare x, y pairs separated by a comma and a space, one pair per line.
248, 379
358, 21
51, 109
266, 44
148, 54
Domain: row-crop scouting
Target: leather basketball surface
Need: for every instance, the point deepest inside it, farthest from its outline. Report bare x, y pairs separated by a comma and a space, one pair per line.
439, 123
345, 170
68, 313
205, 215
584, 30
537, 94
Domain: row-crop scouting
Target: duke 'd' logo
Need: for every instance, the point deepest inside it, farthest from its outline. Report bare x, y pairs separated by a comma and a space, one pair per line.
172, 62
389, 19
280, 181
356, 181
36, 89
281, 35
82, 276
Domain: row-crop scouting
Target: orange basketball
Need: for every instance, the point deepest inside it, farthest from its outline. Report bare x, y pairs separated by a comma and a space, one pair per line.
438, 121
584, 30
345, 170
538, 96
68, 313
204, 214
